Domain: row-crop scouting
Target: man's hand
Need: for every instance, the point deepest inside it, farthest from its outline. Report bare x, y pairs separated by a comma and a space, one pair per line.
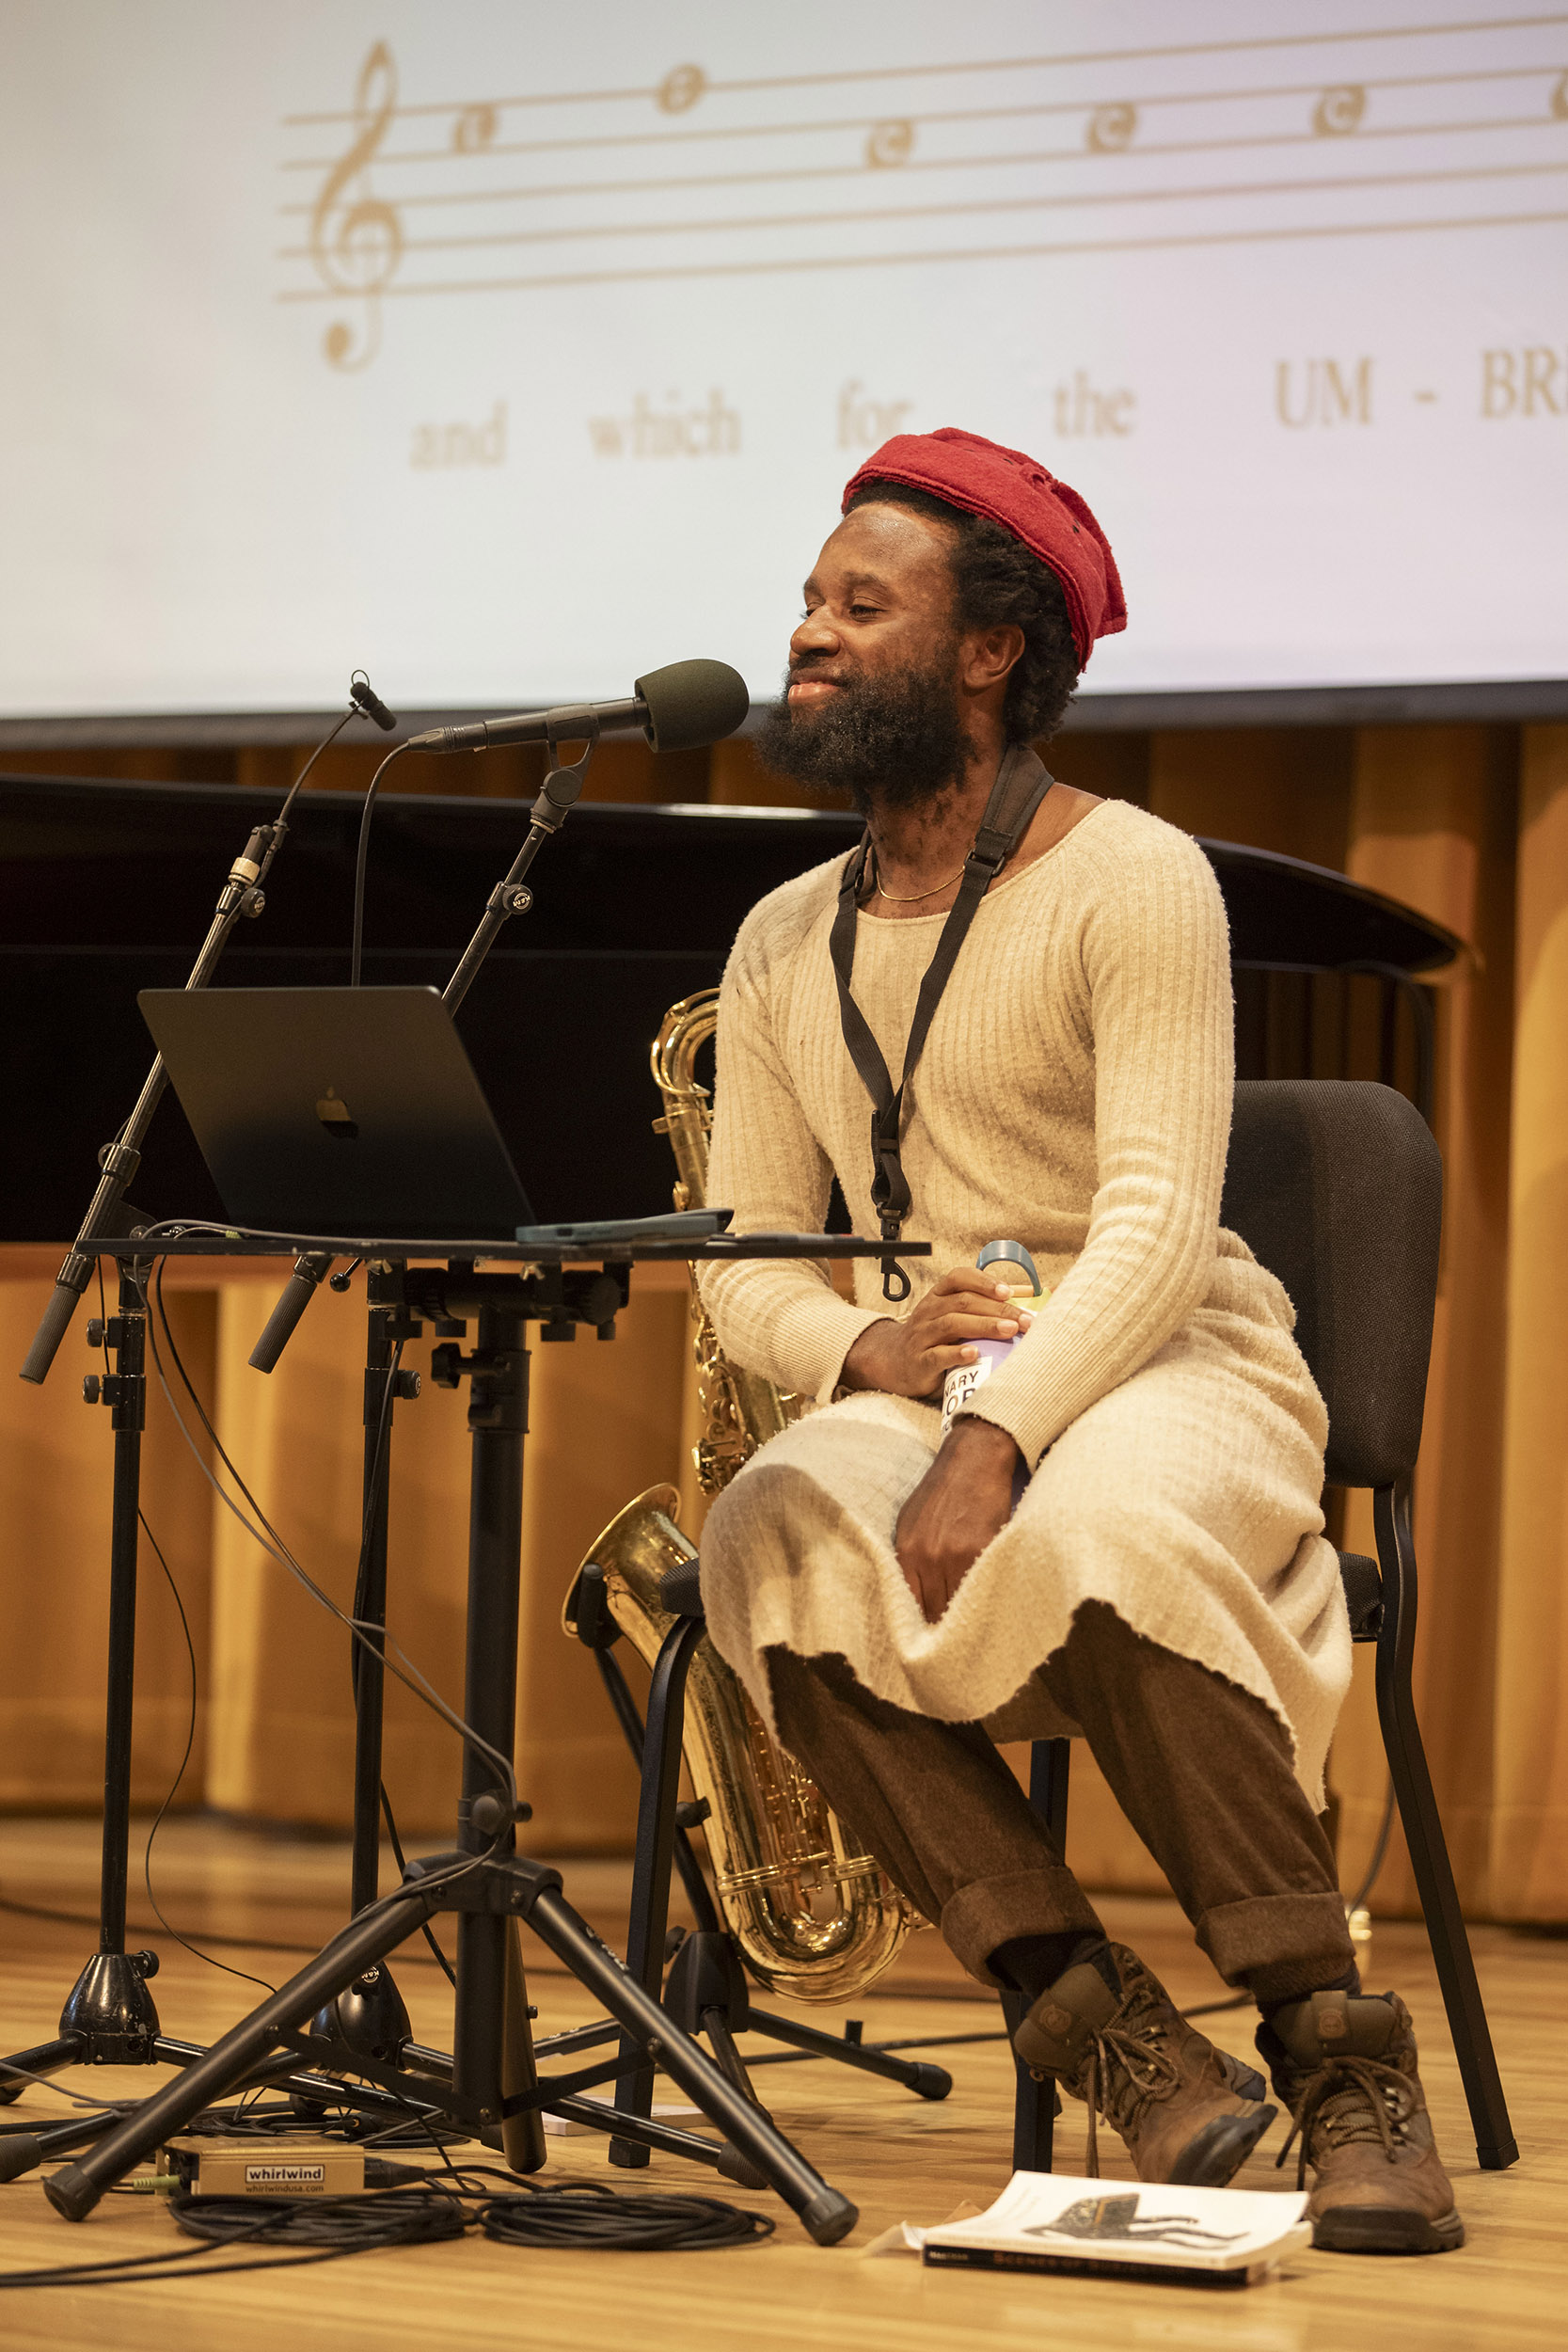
913, 1356
965, 1497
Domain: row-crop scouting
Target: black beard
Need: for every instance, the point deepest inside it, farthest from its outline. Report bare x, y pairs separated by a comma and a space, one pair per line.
896, 742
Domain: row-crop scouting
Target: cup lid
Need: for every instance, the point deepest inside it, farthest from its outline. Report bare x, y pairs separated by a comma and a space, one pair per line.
1009, 1252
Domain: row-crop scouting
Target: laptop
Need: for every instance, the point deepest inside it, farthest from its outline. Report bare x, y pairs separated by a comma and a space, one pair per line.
339, 1110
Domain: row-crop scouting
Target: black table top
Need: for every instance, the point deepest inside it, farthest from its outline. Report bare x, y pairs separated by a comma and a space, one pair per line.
719, 1248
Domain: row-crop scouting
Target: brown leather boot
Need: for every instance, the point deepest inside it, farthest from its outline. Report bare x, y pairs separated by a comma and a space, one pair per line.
1345, 2066
1187, 2111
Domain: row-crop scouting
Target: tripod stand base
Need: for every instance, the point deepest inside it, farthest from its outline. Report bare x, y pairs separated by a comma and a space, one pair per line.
481, 1886
370, 2017
109, 2019
110, 2012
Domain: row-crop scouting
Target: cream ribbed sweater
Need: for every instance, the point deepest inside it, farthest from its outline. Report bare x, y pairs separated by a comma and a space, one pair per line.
1073, 1095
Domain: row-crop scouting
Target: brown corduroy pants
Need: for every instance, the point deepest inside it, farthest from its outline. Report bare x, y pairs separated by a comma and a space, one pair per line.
1201, 1769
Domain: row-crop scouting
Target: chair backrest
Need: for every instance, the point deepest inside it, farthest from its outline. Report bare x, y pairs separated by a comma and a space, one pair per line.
1336, 1186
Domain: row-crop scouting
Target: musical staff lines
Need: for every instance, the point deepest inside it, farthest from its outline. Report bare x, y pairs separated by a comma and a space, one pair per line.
701, 176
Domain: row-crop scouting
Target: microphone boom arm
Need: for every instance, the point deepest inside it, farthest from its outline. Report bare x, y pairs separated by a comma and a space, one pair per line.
241, 895
550, 810
510, 896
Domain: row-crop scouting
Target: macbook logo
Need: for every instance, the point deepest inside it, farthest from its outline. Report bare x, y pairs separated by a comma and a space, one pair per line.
336, 1117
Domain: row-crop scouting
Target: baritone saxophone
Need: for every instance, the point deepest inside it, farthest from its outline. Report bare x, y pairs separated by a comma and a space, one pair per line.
813, 1914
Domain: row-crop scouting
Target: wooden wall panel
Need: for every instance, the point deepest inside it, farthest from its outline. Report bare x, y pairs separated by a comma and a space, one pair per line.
605, 1423
57, 1469
1530, 1874
1433, 823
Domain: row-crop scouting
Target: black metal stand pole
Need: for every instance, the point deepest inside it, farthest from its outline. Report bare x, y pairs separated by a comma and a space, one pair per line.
370, 1675
109, 2017
129, 1409
497, 1422
371, 2017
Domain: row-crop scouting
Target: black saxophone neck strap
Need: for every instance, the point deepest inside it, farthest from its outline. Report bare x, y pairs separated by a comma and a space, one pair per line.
1021, 784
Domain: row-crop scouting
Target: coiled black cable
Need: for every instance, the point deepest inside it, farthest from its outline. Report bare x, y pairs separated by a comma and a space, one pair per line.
353, 2224
420, 2209
588, 2215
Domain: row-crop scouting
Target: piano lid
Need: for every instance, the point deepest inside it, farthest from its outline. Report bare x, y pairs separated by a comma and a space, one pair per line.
108, 888
106, 865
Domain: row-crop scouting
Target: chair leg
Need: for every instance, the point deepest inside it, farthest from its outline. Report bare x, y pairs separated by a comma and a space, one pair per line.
655, 1838
624, 1705
1496, 2146
1034, 2103
1049, 1763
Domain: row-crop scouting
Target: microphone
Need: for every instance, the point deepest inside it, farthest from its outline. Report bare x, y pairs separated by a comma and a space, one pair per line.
294, 1297
369, 702
678, 708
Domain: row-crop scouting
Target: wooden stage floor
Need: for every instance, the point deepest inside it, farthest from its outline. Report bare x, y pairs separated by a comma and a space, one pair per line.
899, 2157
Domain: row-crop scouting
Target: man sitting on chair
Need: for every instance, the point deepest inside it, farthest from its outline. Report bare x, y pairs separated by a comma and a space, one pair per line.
1160, 1583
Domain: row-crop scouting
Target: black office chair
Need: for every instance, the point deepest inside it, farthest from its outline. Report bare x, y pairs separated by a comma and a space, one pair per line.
1337, 1187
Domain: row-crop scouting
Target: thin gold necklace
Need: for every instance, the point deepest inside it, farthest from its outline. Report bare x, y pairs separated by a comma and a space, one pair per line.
915, 895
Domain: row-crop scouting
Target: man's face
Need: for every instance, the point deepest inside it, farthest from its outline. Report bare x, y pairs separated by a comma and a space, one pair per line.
872, 701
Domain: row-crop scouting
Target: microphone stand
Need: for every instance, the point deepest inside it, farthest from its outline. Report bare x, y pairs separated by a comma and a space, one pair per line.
549, 811
372, 2016
241, 895
109, 2016
561, 786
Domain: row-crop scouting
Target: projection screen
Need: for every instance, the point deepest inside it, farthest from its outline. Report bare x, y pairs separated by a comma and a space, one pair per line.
512, 350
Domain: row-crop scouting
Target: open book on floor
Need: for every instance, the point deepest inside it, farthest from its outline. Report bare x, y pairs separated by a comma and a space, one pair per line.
1050, 2221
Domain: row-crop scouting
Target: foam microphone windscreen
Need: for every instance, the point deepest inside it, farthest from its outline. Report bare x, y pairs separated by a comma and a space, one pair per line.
692, 703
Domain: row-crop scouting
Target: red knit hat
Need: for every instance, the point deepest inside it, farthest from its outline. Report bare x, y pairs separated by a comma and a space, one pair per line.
1015, 491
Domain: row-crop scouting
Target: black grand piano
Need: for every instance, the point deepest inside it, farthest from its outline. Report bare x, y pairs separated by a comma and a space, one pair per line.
108, 888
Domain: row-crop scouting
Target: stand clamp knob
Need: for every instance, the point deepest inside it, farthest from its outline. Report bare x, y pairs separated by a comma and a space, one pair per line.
489, 1813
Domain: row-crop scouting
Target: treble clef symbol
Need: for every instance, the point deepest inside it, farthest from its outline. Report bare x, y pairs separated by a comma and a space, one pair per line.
356, 244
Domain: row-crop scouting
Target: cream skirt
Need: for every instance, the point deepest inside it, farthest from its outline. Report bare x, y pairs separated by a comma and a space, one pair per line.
1189, 1499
